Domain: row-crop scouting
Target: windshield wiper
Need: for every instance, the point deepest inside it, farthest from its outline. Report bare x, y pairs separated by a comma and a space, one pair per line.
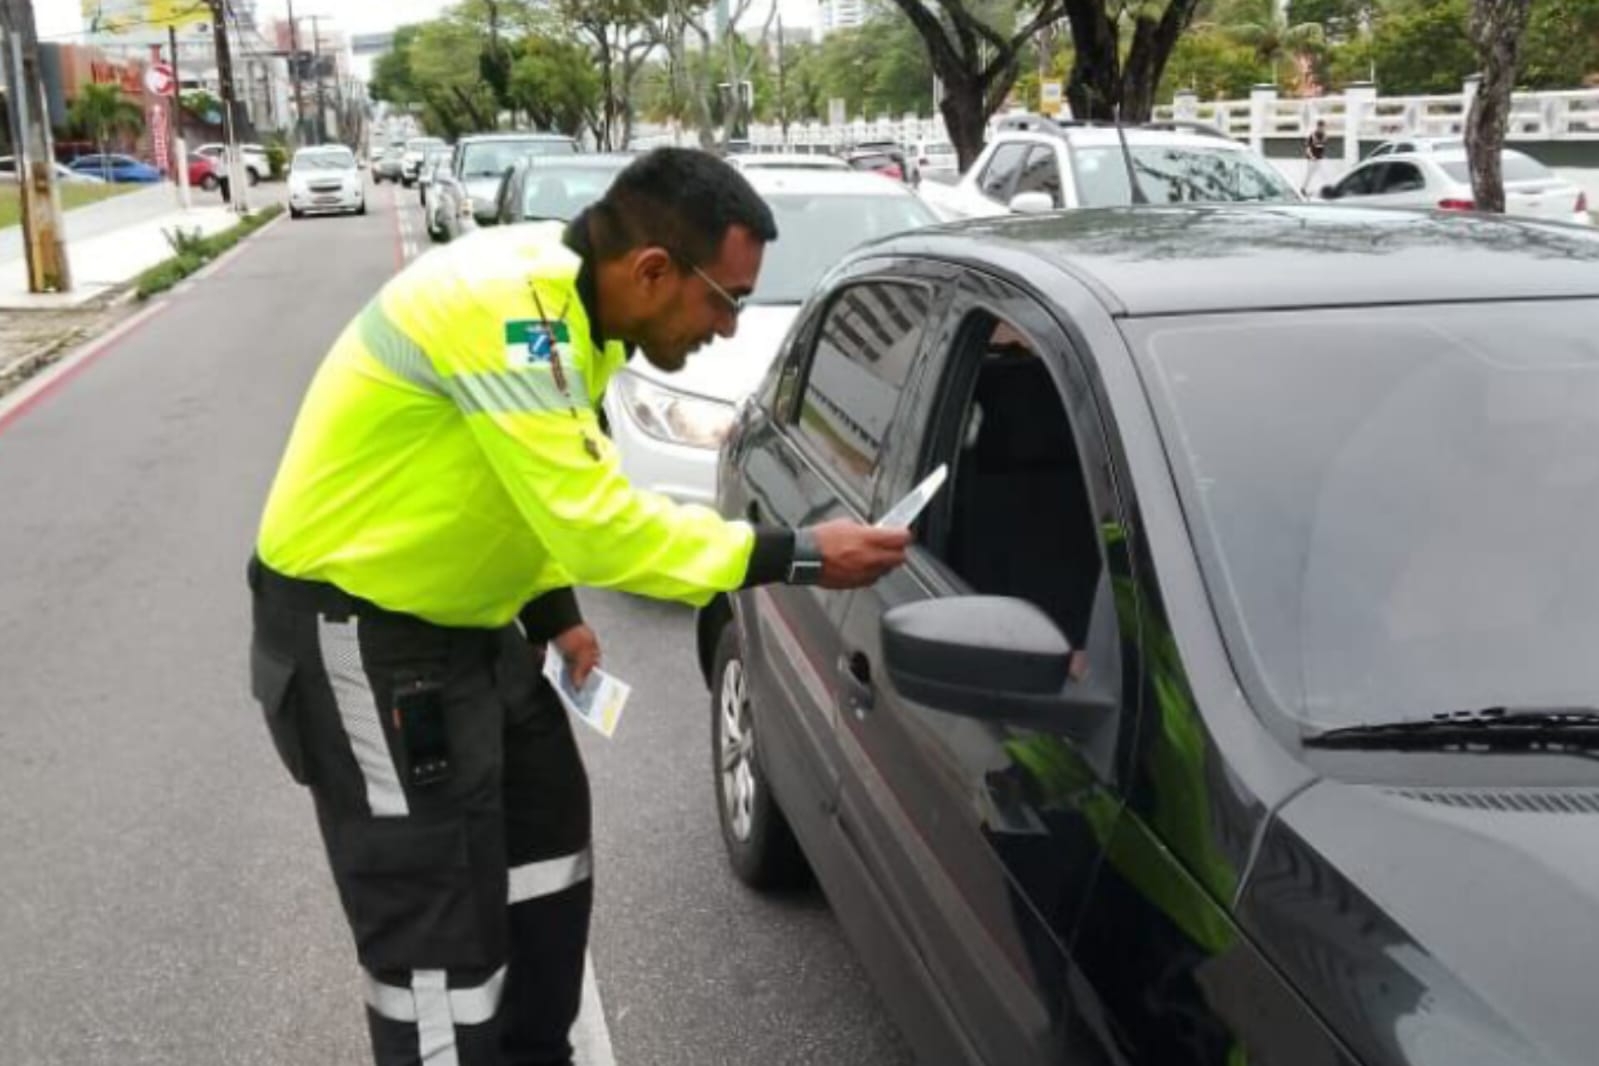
1491, 729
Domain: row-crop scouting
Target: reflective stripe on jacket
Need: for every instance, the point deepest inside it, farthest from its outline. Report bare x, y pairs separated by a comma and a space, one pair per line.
445, 465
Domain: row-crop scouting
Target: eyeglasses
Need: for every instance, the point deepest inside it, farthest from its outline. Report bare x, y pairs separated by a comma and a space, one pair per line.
734, 302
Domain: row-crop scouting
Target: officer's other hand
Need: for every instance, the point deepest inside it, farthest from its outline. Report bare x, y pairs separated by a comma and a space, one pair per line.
854, 556
581, 650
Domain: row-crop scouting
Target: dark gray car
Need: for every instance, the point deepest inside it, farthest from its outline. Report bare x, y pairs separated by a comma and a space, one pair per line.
468, 189
1238, 701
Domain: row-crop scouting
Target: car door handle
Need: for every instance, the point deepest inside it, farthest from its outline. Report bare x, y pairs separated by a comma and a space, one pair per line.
855, 681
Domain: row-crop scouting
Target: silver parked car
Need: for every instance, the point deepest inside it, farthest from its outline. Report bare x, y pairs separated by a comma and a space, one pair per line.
468, 188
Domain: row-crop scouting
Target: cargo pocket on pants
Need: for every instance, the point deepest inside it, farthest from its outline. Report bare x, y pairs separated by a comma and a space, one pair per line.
272, 684
410, 894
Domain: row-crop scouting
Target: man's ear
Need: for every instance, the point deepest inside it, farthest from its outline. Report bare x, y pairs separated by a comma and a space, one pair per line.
651, 266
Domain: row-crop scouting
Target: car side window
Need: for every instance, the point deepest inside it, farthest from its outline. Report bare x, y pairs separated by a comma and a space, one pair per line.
865, 348
1041, 173
1360, 183
1402, 177
1016, 518
1000, 174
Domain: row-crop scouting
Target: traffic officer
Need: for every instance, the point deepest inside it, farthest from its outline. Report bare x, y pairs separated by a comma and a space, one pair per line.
445, 486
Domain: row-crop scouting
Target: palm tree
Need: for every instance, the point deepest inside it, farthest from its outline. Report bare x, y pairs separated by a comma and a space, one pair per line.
102, 112
1263, 25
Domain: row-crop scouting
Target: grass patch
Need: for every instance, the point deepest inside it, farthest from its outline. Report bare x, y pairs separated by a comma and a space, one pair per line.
71, 196
192, 251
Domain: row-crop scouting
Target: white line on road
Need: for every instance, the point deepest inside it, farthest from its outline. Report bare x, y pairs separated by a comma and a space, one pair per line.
591, 1039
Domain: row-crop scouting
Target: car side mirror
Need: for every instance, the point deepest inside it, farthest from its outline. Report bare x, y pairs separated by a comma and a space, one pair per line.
993, 658
1031, 203
1329, 192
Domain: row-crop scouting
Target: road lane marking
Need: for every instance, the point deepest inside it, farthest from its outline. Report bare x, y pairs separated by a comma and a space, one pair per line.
591, 1039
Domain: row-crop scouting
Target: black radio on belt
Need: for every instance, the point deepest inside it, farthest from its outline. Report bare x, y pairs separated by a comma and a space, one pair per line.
419, 713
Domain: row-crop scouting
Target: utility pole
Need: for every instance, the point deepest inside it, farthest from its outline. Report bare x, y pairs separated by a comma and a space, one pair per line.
321, 95
237, 179
43, 237
782, 96
180, 148
294, 74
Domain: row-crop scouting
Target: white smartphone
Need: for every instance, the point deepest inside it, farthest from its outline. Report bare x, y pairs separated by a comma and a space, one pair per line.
907, 510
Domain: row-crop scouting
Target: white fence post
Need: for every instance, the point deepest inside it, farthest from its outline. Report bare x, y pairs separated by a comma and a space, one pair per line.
1262, 103
1185, 106
1360, 101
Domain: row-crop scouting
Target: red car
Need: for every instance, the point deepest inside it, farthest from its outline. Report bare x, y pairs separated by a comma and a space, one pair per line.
203, 172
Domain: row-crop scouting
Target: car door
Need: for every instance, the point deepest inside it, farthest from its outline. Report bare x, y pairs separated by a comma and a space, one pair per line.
990, 191
1041, 174
987, 835
1360, 182
835, 397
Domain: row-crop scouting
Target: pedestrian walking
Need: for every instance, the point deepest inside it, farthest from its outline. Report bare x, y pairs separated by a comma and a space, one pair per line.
445, 486
1315, 155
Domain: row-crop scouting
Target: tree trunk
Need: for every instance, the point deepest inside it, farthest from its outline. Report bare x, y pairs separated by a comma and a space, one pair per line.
1497, 27
1095, 84
965, 118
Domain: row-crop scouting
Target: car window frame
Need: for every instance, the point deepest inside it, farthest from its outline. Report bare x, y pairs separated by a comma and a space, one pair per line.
1370, 172
1025, 147
789, 383
1058, 198
1394, 166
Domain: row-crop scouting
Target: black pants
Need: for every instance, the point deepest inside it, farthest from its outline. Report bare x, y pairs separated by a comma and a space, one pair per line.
468, 899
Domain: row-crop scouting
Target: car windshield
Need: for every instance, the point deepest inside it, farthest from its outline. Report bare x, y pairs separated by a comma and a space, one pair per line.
490, 159
1515, 168
324, 161
561, 192
814, 233
1395, 508
1175, 174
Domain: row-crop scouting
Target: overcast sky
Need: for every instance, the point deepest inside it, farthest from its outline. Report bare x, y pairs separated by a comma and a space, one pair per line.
61, 18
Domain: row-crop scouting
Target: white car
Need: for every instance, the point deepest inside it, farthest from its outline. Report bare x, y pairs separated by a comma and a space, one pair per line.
416, 149
1442, 180
1413, 145
787, 161
668, 427
937, 161
1035, 165
256, 165
325, 180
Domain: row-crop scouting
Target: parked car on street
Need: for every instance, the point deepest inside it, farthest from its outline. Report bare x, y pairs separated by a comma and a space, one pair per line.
885, 158
667, 427
1236, 703
257, 165
432, 159
468, 190
325, 180
8, 172
1036, 166
204, 172
386, 165
554, 188
937, 161
121, 169
1441, 179
415, 150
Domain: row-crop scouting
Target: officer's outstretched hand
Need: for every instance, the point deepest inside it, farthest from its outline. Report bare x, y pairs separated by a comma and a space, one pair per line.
581, 650
854, 556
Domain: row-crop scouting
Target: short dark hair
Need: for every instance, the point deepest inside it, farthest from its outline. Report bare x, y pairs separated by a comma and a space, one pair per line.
680, 199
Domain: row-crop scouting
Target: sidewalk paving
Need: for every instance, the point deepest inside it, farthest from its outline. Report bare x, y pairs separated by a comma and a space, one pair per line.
109, 244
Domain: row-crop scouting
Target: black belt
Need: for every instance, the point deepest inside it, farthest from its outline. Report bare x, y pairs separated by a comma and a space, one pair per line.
318, 596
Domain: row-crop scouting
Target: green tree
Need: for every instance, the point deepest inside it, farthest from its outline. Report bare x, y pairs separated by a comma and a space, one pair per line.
1278, 42
553, 80
1213, 65
101, 112
392, 80
1120, 52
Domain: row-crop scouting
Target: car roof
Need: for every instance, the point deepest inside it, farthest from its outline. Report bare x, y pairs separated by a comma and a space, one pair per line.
1107, 137
818, 160
776, 180
473, 138
1239, 257
578, 161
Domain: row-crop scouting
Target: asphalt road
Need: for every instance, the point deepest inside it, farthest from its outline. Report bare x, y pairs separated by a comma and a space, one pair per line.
165, 895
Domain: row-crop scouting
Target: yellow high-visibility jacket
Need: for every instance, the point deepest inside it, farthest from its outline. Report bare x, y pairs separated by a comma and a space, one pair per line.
446, 464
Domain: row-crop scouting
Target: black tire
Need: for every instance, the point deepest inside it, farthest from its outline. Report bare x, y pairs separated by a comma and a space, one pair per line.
362, 209
295, 212
765, 854
209, 183
251, 177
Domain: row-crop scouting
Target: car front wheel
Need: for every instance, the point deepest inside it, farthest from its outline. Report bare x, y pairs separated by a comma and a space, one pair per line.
760, 845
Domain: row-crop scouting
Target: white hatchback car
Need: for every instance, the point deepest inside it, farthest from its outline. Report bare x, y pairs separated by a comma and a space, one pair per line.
668, 427
787, 161
1036, 165
1442, 180
325, 180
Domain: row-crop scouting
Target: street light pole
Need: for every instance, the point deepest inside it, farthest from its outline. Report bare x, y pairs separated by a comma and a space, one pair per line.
42, 233
321, 94
294, 74
237, 180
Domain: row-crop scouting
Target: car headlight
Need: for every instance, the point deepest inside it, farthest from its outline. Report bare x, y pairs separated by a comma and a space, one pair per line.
672, 416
